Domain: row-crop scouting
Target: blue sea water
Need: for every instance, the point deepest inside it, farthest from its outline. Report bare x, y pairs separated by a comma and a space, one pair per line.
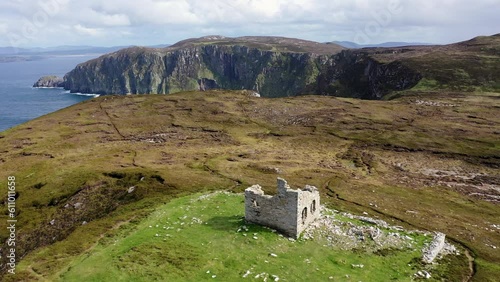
20, 102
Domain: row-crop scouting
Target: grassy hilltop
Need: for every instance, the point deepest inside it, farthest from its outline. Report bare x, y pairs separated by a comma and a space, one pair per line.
425, 161
204, 237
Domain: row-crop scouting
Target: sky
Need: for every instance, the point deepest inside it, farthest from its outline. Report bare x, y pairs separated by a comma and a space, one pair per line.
46, 23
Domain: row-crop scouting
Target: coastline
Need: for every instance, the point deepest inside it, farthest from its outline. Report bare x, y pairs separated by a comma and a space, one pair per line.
20, 102
11, 122
69, 92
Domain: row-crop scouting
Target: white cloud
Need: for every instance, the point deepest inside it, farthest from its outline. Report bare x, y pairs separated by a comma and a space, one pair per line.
82, 30
3, 28
108, 19
166, 21
152, 11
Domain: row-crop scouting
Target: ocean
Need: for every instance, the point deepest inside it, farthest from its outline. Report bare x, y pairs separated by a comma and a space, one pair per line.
20, 102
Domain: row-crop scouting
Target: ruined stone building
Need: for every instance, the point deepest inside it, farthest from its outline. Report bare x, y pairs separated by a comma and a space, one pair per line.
290, 211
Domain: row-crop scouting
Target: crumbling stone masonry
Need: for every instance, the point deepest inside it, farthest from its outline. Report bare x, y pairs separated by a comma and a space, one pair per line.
289, 212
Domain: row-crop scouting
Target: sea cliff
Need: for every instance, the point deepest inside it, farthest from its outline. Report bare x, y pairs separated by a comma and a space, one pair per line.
282, 67
269, 66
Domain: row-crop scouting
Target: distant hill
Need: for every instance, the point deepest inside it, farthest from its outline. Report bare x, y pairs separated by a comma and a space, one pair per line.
11, 51
11, 54
72, 50
352, 45
58, 50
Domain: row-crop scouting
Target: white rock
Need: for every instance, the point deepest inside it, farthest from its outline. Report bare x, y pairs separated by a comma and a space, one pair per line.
254, 94
435, 247
246, 274
427, 275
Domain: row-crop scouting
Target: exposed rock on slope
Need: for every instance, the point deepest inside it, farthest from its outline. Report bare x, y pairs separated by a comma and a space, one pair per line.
49, 81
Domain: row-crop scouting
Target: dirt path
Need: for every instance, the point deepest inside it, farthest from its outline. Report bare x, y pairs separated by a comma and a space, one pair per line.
471, 265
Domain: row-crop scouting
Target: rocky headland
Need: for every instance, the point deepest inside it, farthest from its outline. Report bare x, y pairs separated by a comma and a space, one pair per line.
50, 81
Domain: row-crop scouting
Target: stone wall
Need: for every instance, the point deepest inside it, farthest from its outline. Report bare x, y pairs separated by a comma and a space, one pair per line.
435, 247
289, 211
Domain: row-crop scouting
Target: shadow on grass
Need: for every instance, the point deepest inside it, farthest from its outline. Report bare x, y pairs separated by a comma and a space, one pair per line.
235, 223
226, 223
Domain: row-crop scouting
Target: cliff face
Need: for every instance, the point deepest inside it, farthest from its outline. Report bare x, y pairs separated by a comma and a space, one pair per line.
271, 72
353, 73
135, 71
128, 71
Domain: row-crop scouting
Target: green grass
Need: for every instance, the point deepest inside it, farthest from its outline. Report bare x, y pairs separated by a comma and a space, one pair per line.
193, 238
426, 84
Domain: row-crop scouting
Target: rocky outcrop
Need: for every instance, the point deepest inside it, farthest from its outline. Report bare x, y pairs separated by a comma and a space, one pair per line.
271, 66
50, 81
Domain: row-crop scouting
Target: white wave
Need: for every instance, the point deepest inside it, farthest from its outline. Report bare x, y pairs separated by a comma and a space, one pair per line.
69, 92
81, 94
85, 94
